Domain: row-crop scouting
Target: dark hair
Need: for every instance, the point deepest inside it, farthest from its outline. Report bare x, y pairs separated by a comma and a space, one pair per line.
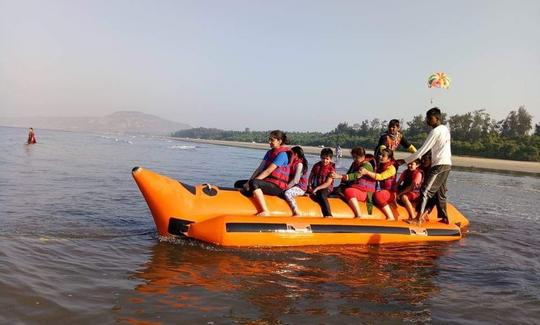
300, 154
388, 153
435, 111
393, 122
327, 152
427, 155
417, 161
358, 151
280, 135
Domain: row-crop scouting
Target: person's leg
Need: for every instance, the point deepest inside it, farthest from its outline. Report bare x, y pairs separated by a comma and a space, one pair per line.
353, 203
261, 203
408, 206
259, 188
388, 212
382, 199
441, 198
435, 179
352, 195
290, 195
322, 197
240, 183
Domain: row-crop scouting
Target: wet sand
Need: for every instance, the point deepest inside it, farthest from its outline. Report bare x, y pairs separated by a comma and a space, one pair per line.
457, 161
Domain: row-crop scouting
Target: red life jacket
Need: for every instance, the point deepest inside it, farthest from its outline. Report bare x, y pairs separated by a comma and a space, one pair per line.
408, 179
303, 182
389, 183
364, 183
321, 173
280, 175
31, 138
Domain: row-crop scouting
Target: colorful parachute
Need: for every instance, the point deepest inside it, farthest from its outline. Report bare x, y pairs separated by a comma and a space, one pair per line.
439, 80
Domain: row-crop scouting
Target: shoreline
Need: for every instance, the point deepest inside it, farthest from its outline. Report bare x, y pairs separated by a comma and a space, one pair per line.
513, 166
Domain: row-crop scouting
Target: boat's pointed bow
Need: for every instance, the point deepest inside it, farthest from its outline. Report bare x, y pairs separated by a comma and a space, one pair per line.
164, 196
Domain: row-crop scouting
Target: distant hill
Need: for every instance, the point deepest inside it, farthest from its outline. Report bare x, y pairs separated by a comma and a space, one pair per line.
118, 122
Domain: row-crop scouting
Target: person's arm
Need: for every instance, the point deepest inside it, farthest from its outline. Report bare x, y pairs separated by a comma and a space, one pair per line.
258, 170
389, 172
310, 180
428, 144
297, 175
355, 176
406, 189
281, 160
326, 184
408, 146
265, 173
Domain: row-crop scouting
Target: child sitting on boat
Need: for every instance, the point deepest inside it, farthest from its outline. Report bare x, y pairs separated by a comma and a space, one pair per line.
355, 186
409, 184
299, 179
387, 180
320, 180
272, 175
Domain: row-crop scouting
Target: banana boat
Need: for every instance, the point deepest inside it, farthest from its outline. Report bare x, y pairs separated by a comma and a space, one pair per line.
225, 216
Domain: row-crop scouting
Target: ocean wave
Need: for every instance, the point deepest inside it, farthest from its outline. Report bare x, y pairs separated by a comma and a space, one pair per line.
179, 147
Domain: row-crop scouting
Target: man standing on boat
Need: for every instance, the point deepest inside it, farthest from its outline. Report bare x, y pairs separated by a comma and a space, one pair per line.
434, 185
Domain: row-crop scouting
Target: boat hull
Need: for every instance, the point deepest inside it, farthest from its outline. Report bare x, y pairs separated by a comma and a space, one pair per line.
227, 217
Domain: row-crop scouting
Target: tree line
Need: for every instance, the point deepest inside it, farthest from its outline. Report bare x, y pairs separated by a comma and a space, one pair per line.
473, 134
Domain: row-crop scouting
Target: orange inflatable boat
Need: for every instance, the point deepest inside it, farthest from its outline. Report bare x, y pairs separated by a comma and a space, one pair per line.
224, 216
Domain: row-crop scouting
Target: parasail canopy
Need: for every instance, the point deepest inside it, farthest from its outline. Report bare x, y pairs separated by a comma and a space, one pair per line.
439, 80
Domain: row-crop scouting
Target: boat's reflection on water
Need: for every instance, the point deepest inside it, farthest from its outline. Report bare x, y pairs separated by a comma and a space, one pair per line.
194, 283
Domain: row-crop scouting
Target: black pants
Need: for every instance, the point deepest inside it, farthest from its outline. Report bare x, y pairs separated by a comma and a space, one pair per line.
253, 184
321, 196
434, 187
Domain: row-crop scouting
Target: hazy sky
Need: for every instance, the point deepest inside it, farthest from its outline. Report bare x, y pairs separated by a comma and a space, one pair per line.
293, 65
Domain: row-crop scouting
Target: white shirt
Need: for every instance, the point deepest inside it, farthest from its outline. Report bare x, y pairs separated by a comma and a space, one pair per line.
438, 141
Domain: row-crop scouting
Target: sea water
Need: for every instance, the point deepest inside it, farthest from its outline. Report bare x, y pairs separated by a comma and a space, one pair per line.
78, 245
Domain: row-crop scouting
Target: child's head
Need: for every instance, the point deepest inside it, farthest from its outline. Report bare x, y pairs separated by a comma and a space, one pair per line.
385, 155
277, 138
413, 164
426, 159
326, 156
298, 152
358, 154
393, 126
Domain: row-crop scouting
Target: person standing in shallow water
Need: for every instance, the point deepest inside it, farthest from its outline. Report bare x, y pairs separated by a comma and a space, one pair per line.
31, 136
434, 185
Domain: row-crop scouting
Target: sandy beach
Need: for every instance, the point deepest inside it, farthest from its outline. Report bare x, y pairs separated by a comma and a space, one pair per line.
458, 161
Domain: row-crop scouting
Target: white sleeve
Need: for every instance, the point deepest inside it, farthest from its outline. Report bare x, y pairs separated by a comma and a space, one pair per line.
426, 146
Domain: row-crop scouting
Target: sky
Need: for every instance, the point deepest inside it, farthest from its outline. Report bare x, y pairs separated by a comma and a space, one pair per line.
291, 65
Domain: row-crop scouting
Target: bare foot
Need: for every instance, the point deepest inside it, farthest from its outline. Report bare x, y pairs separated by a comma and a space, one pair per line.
263, 214
328, 216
